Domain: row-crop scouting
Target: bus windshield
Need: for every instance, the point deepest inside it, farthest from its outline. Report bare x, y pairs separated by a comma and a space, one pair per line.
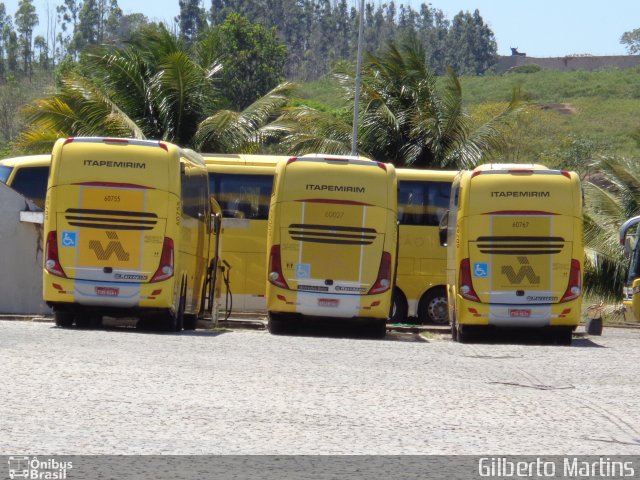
4, 173
242, 196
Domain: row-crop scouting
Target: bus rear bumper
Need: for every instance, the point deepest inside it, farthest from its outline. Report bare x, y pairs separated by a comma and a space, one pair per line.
519, 315
91, 293
314, 304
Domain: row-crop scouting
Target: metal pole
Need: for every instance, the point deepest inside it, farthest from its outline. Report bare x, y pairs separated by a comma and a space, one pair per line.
356, 101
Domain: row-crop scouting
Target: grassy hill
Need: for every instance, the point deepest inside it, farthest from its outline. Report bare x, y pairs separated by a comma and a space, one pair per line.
569, 116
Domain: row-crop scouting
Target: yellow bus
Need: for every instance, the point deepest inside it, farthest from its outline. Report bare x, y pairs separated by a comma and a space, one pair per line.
515, 250
421, 282
332, 240
130, 230
27, 175
242, 186
631, 294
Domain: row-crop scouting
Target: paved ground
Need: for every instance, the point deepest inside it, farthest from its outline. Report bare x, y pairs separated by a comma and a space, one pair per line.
121, 391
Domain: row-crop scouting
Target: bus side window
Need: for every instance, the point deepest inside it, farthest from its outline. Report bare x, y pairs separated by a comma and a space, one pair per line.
32, 183
194, 195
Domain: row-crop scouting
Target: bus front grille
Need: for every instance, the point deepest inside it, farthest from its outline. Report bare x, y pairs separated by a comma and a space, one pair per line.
512, 245
111, 219
332, 234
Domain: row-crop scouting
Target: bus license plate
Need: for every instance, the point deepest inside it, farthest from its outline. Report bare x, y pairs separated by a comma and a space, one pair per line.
519, 312
107, 291
328, 302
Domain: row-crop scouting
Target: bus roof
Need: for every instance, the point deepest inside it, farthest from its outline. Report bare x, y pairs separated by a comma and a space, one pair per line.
243, 159
509, 166
426, 175
27, 160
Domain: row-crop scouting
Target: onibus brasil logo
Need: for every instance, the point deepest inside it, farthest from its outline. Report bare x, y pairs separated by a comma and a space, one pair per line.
21, 466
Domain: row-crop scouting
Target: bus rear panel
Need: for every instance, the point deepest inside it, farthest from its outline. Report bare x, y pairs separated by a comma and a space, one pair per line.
518, 246
332, 238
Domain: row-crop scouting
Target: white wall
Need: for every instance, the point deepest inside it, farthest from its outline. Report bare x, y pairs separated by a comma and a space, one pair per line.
21, 246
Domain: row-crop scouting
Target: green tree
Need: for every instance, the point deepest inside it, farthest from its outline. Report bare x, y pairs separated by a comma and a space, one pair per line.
409, 121
191, 20
5, 23
612, 196
471, 45
252, 56
405, 118
631, 40
156, 87
26, 20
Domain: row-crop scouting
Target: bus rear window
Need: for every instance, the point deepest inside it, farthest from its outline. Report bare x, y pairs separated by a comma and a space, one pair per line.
32, 183
422, 203
4, 173
242, 196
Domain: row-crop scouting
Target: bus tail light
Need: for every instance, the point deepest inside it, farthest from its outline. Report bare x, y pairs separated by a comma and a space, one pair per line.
51, 261
165, 269
574, 289
465, 286
383, 282
275, 268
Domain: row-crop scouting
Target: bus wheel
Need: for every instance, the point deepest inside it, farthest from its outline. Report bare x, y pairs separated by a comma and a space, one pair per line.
563, 336
399, 307
190, 321
380, 328
63, 319
433, 307
463, 334
277, 324
176, 319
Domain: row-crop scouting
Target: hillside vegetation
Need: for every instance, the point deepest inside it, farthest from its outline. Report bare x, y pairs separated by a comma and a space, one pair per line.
567, 114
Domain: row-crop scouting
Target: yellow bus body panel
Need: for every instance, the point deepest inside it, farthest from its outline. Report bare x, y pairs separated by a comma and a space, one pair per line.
245, 207
520, 233
422, 261
332, 222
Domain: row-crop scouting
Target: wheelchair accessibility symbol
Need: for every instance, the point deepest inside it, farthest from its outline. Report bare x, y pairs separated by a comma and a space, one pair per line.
69, 239
480, 270
303, 270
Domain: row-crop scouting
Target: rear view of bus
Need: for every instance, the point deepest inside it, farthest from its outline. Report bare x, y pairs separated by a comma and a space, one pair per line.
128, 230
515, 250
332, 241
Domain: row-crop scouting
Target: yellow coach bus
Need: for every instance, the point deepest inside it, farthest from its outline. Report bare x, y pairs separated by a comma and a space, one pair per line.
130, 231
631, 294
420, 290
242, 186
332, 240
27, 175
515, 250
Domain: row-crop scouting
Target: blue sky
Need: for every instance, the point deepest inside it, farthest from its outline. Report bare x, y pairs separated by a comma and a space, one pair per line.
541, 28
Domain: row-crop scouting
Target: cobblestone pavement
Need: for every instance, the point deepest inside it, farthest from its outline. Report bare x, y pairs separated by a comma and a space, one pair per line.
121, 391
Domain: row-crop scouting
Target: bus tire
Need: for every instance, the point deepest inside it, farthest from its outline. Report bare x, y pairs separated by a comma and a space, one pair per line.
463, 334
190, 321
563, 336
380, 328
176, 318
433, 307
63, 319
277, 324
399, 307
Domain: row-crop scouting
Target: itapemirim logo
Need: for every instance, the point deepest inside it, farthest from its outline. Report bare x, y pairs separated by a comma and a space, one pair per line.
33, 468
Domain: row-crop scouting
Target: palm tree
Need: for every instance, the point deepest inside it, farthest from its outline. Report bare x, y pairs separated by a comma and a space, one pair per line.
406, 119
156, 87
612, 196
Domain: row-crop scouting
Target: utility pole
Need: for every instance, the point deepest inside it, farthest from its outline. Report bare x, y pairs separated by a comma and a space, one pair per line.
356, 101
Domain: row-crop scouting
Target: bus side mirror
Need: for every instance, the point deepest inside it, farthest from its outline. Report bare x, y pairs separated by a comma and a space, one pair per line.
442, 228
628, 247
216, 223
